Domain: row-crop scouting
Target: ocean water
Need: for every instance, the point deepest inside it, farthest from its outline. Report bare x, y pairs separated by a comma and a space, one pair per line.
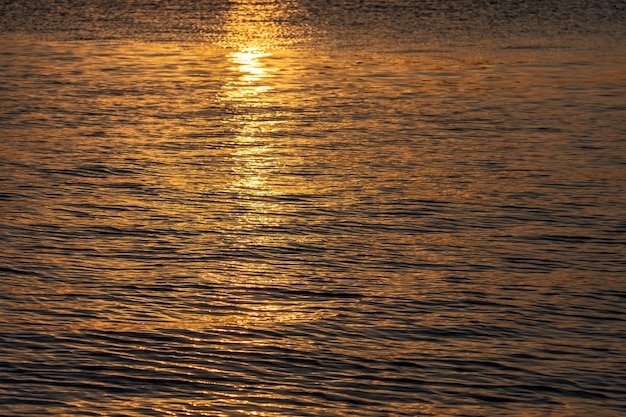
312, 208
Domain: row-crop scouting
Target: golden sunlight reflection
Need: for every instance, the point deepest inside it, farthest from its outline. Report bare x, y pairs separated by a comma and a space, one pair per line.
253, 102
248, 84
263, 24
246, 95
249, 62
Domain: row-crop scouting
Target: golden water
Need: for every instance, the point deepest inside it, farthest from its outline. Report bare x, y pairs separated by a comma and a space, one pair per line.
312, 208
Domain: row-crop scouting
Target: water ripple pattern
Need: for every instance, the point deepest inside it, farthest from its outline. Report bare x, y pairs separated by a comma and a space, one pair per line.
312, 208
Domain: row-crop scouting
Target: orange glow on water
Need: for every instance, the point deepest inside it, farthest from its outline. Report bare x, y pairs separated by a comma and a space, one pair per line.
261, 223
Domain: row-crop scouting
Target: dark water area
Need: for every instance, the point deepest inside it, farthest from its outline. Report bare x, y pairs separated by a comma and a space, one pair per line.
312, 208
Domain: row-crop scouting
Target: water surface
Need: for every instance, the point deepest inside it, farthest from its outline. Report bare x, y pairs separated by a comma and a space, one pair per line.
312, 208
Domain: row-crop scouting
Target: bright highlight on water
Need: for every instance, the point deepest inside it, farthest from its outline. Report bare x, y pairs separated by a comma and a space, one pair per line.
312, 208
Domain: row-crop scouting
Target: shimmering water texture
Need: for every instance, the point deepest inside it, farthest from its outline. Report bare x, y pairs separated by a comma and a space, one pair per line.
312, 208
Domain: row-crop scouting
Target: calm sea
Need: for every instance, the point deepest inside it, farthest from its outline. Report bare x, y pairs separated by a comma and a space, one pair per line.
312, 208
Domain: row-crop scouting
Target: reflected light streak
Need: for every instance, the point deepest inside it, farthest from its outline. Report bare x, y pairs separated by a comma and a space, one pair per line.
246, 93
250, 73
254, 103
249, 63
